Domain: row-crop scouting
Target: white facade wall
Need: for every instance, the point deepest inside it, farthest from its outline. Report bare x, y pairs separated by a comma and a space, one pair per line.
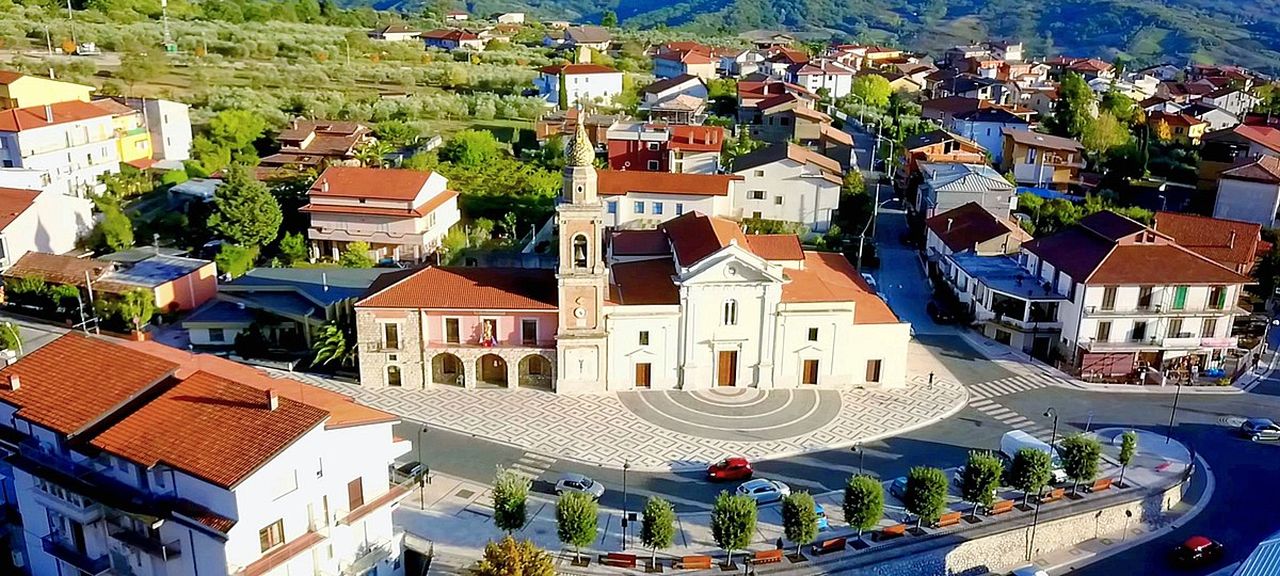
662, 354
793, 192
74, 152
52, 224
693, 162
705, 333
667, 68
170, 125
987, 134
839, 85
582, 88
1247, 201
643, 207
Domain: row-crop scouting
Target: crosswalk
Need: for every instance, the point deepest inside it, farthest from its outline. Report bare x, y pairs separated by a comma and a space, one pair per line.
1012, 385
533, 465
1011, 419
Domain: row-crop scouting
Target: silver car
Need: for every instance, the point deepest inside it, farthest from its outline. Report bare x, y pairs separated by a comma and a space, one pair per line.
764, 491
580, 484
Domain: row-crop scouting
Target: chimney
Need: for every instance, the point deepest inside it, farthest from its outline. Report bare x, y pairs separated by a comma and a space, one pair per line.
1231, 242
14, 382
324, 279
48, 113
324, 186
273, 400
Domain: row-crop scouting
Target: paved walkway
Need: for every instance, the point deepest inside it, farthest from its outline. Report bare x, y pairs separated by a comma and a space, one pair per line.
666, 430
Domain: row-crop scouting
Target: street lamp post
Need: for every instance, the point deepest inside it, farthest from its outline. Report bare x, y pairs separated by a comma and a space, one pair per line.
862, 238
626, 465
422, 472
862, 456
1173, 413
1035, 518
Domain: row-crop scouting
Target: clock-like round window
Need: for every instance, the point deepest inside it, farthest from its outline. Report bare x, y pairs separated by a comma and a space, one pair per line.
579, 312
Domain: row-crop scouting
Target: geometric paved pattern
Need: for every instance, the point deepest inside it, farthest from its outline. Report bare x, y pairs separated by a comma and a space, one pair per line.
1013, 384
737, 413
600, 429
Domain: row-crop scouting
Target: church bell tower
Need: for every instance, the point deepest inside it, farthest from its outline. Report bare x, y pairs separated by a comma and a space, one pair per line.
581, 274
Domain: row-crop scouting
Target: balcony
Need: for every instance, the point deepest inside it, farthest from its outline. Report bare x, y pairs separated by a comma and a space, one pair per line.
90, 565
370, 554
1156, 310
1160, 343
474, 344
120, 530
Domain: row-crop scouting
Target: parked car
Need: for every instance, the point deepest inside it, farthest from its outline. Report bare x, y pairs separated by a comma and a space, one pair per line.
898, 487
871, 281
735, 468
579, 483
1015, 440
1260, 429
822, 517
764, 491
408, 471
1028, 570
941, 313
1197, 551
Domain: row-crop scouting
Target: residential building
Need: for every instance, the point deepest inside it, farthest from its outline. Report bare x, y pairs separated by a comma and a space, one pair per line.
176, 283
788, 183
1215, 118
937, 146
563, 123
1135, 300
1004, 302
133, 141
18, 90
594, 37
394, 33
987, 127
654, 147
717, 308
792, 118
453, 39
1235, 100
1006, 50
640, 200
974, 87
1181, 127
71, 143
40, 221
400, 214
169, 123
823, 74
1233, 244
315, 144
764, 39
680, 100
742, 63
121, 463
692, 62
970, 227
1249, 191
583, 84
510, 18
456, 16
1136, 87
1222, 149
695, 149
1042, 160
946, 186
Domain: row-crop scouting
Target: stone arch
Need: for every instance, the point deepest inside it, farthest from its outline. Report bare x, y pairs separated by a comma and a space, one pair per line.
448, 369
537, 371
491, 370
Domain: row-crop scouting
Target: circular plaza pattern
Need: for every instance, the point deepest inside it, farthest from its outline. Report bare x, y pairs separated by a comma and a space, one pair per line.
736, 414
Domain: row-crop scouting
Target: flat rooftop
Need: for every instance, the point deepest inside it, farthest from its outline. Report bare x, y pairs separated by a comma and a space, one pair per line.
1003, 274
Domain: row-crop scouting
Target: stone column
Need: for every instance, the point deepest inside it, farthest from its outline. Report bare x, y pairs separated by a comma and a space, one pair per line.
513, 369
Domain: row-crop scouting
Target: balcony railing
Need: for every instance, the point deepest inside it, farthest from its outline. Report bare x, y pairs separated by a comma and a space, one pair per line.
120, 530
370, 555
90, 565
1159, 310
1166, 343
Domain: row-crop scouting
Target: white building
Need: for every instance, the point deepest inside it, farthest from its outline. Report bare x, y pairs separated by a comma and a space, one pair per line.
73, 142
135, 458
636, 199
947, 186
1250, 191
691, 305
169, 123
789, 183
584, 84
36, 221
823, 74
510, 18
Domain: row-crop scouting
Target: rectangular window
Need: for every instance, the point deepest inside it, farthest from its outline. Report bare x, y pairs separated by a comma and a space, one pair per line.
1104, 332
272, 535
391, 336
654, 165
1217, 297
1209, 327
657, 208
730, 317
813, 334
759, 173
777, 200
1144, 297
217, 335
679, 208
452, 333
1175, 328
873, 370
1139, 331
612, 207
757, 215
644, 337
639, 208
1179, 297
652, 146
529, 332
1108, 298
755, 194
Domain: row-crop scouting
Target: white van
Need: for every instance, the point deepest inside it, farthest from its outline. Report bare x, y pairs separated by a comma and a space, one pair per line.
1015, 440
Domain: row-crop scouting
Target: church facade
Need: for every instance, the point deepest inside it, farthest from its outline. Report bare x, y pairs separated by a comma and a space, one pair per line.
692, 304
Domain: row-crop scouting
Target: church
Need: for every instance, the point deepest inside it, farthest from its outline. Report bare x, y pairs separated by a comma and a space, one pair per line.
692, 304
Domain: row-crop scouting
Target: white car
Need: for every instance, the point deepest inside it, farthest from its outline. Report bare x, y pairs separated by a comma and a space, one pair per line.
580, 484
764, 491
1028, 570
871, 281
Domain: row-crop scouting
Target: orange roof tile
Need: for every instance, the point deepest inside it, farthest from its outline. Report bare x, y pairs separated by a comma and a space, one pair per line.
13, 202
695, 236
647, 282
575, 69
696, 138
468, 288
619, 182
57, 268
1231, 243
19, 119
829, 277
639, 243
72, 382
776, 246
379, 183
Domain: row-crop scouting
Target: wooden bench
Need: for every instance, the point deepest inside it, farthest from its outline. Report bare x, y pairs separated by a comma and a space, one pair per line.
619, 560
830, 545
948, 519
1000, 507
766, 557
1100, 484
694, 563
1056, 494
893, 531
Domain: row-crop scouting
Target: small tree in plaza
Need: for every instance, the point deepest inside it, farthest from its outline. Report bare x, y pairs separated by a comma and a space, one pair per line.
981, 479
799, 519
1030, 472
1080, 456
733, 521
510, 493
510, 557
926, 493
863, 502
576, 520
1128, 449
657, 526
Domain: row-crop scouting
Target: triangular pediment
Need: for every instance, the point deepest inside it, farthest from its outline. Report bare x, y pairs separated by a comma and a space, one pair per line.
732, 264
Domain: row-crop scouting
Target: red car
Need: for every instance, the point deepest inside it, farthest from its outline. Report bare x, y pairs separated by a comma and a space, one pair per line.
1197, 550
730, 469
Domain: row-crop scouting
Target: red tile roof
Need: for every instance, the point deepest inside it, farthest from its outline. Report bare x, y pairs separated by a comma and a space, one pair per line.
644, 283
450, 34
1264, 135
13, 202
639, 243
776, 246
426, 208
9, 76
19, 119
1231, 243
57, 268
619, 182
72, 382
376, 183
685, 57
696, 138
695, 236
210, 427
1261, 169
962, 227
829, 277
575, 69
468, 288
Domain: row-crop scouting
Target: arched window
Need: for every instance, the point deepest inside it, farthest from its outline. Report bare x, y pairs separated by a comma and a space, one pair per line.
579, 251
393, 376
730, 313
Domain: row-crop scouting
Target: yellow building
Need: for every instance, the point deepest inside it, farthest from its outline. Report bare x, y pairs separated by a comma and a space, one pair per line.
132, 137
19, 90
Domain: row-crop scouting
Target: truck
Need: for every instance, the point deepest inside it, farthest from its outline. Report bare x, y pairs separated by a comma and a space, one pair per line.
1015, 440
